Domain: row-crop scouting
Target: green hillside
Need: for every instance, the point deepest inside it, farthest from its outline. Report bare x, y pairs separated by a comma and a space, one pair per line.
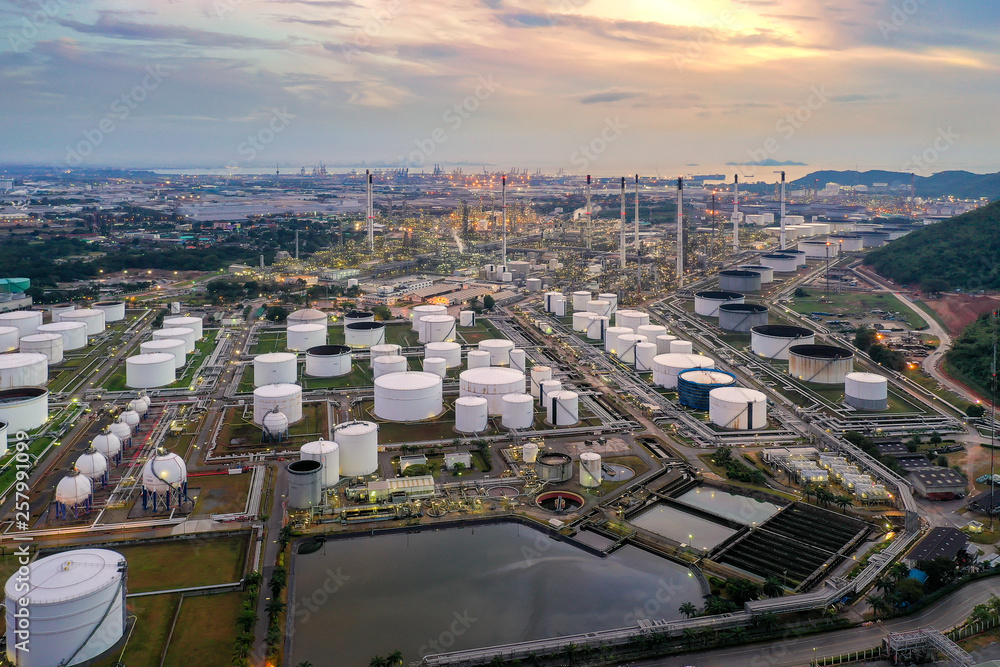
963, 252
971, 355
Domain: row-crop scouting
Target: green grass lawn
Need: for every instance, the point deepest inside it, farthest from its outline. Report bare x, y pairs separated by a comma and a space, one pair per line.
855, 304
205, 630
219, 494
184, 563
154, 614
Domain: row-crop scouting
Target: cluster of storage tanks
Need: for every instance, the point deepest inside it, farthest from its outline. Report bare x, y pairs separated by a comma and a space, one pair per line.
351, 452
164, 354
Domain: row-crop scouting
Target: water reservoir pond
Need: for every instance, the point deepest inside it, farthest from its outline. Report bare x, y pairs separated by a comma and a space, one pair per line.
443, 590
679, 526
731, 506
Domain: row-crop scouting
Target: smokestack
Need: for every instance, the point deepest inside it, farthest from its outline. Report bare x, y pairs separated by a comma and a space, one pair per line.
782, 210
590, 216
371, 213
296, 245
637, 212
622, 242
680, 233
262, 262
503, 206
736, 213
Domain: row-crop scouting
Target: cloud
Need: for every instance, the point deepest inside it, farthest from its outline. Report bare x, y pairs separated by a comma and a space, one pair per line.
108, 25
610, 96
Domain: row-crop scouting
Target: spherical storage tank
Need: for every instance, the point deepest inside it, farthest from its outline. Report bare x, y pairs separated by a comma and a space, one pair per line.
694, 385
108, 444
471, 414
436, 329
644, 355
25, 321
409, 396
275, 425
274, 368
114, 311
418, 313
591, 474
186, 334
287, 398
93, 464
75, 608
499, 349
74, 334
164, 477
737, 408
780, 263
358, 316
598, 327
611, 335
492, 383
327, 453
766, 272
326, 361
450, 352
742, 316
173, 346
364, 334
739, 281
554, 467
301, 337
562, 408
666, 367
305, 484
772, 341
631, 319
385, 365
823, 364
130, 418
74, 491
302, 316
23, 369
866, 391
626, 347
122, 430
707, 304
94, 319
518, 411
385, 350
436, 365
49, 344
358, 447
146, 371
539, 374
24, 408
9, 336
599, 307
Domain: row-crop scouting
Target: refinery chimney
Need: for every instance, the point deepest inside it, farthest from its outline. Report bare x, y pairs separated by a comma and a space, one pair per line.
622, 240
503, 207
736, 213
590, 216
371, 214
680, 233
782, 210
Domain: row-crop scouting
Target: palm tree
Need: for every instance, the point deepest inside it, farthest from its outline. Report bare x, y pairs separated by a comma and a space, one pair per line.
843, 502
274, 608
768, 621
246, 620
899, 571
879, 604
253, 580
823, 496
570, 650
242, 646
739, 634
395, 659
689, 635
534, 659
688, 609
773, 587
808, 491
279, 578
377, 661
883, 584
498, 661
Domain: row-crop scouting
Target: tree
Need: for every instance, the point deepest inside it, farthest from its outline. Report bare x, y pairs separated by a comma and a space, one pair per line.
801, 293
253, 580
864, 338
488, 302
909, 591
742, 590
768, 621
880, 605
980, 613
247, 620
378, 661
913, 444
276, 314
942, 461
899, 571
690, 634
975, 410
395, 659
843, 502
417, 470
279, 578
934, 286
382, 312
458, 468
688, 609
935, 438
274, 608
773, 587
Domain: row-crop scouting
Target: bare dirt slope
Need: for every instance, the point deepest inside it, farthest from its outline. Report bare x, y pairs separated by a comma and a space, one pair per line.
958, 311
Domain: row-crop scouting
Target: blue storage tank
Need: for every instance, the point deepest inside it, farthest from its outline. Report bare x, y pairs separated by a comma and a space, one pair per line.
694, 384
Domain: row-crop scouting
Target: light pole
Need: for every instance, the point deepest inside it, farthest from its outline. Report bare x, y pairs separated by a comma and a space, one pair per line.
828, 268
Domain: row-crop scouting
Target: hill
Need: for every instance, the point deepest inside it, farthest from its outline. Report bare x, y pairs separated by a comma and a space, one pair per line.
962, 184
971, 356
959, 253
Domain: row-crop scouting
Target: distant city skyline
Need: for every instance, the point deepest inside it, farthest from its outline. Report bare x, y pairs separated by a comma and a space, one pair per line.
587, 86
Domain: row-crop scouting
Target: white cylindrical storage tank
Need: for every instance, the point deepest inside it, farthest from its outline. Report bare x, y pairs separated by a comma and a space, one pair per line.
707, 304
644, 355
559, 306
327, 453
471, 414
303, 316
327, 361
492, 384
436, 329
800, 257
550, 299
24, 408
546, 387
499, 349
651, 331
562, 408
275, 368
385, 365
612, 299
25, 321
358, 447
352, 282
742, 317
300, 337
352, 316
663, 342
305, 484
598, 327
506, 276
57, 311
529, 453
553, 264
174, 346
74, 489
74, 334
851, 243
539, 374
196, 323
467, 318
866, 391
9, 336
23, 369
766, 272
580, 300
681, 347
478, 358
49, 344
611, 335
822, 364
186, 334
114, 311
108, 444
147, 371
590, 470
408, 397
426, 309
3, 437
517, 410
820, 249
599, 307
739, 281
666, 367
780, 263
436, 365
93, 464
626, 347
773, 341
385, 350
737, 408
631, 319
364, 334
287, 398
534, 284
518, 360
75, 608
450, 352
581, 320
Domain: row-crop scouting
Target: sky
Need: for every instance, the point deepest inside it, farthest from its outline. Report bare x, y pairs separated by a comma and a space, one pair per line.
586, 86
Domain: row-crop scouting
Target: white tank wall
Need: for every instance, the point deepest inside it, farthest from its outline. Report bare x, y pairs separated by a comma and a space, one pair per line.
866, 391
651, 331
559, 306
611, 299
666, 367
436, 329
529, 452
305, 487
599, 307
820, 370
25, 321
186, 334
275, 368
499, 350
9, 336
707, 306
663, 342
174, 346
425, 309
147, 371
49, 344
518, 360
364, 337
626, 347
591, 474
538, 375
358, 447
328, 365
190, 322
57, 311
467, 318
407, 397
631, 319
598, 326
301, 337
737, 408
450, 352
94, 319
478, 358
74, 334
385, 350
385, 365
491, 383
517, 410
26, 413
546, 387
471, 414
3, 437
328, 454
581, 320
114, 311
644, 355
783, 264
562, 408
287, 398
23, 369
681, 347
580, 300
776, 347
436, 365
611, 335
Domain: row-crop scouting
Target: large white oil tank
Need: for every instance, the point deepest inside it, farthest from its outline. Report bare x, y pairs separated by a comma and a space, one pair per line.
611, 298
766, 272
287, 398
385, 365
49, 344
471, 414
580, 300
174, 346
57, 311
409, 396
631, 319
742, 317
450, 352
517, 411
196, 323
518, 360
780, 263
539, 374
822, 364
599, 307
436, 329
303, 316
436, 365
305, 484
598, 327
74, 334
644, 355
611, 335
24, 408
651, 331
327, 453
866, 391
114, 311
25, 321
707, 304
186, 334
147, 371
546, 387
562, 408
301, 337
737, 408
274, 368
736, 280
9, 336
851, 243
681, 347
3, 437
499, 349
426, 309
820, 249
626, 347
327, 361
581, 320
385, 350
492, 383
529, 453
352, 316
663, 342
666, 367
773, 341
550, 299
358, 442
74, 606
559, 306
467, 318
591, 474
23, 369
478, 358
364, 334
534, 284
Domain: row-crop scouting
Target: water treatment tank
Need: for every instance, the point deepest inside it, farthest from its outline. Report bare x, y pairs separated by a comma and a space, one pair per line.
114, 311
385, 365
74, 489
327, 361
766, 272
186, 334
739, 281
426, 309
300, 337
591, 474
626, 347
305, 484
275, 424
25, 321
822, 364
9, 336
612, 299
866, 391
562, 408
93, 464
780, 263
107, 443
23, 369
517, 410
529, 453
741, 317
275, 368
165, 472
408, 397
582, 319
49, 344
287, 398
436, 329
175, 347
196, 323
327, 453
666, 367
353, 316
492, 383
773, 341
663, 342
74, 334
538, 375
737, 408
76, 606
471, 414
385, 350
611, 335
478, 359
694, 385
598, 327
678, 346
631, 319
358, 447
467, 318
436, 365
707, 304
554, 467
450, 352
644, 355
364, 334
499, 349
599, 307
24, 408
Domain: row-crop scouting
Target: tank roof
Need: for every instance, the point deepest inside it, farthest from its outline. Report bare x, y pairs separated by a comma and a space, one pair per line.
19, 359
408, 380
364, 326
151, 358
718, 295
68, 575
328, 350
821, 351
743, 308
782, 331
280, 389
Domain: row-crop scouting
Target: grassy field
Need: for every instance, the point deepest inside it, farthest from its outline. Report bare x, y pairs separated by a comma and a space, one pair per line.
314, 423
856, 305
154, 614
203, 348
204, 631
219, 494
184, 563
